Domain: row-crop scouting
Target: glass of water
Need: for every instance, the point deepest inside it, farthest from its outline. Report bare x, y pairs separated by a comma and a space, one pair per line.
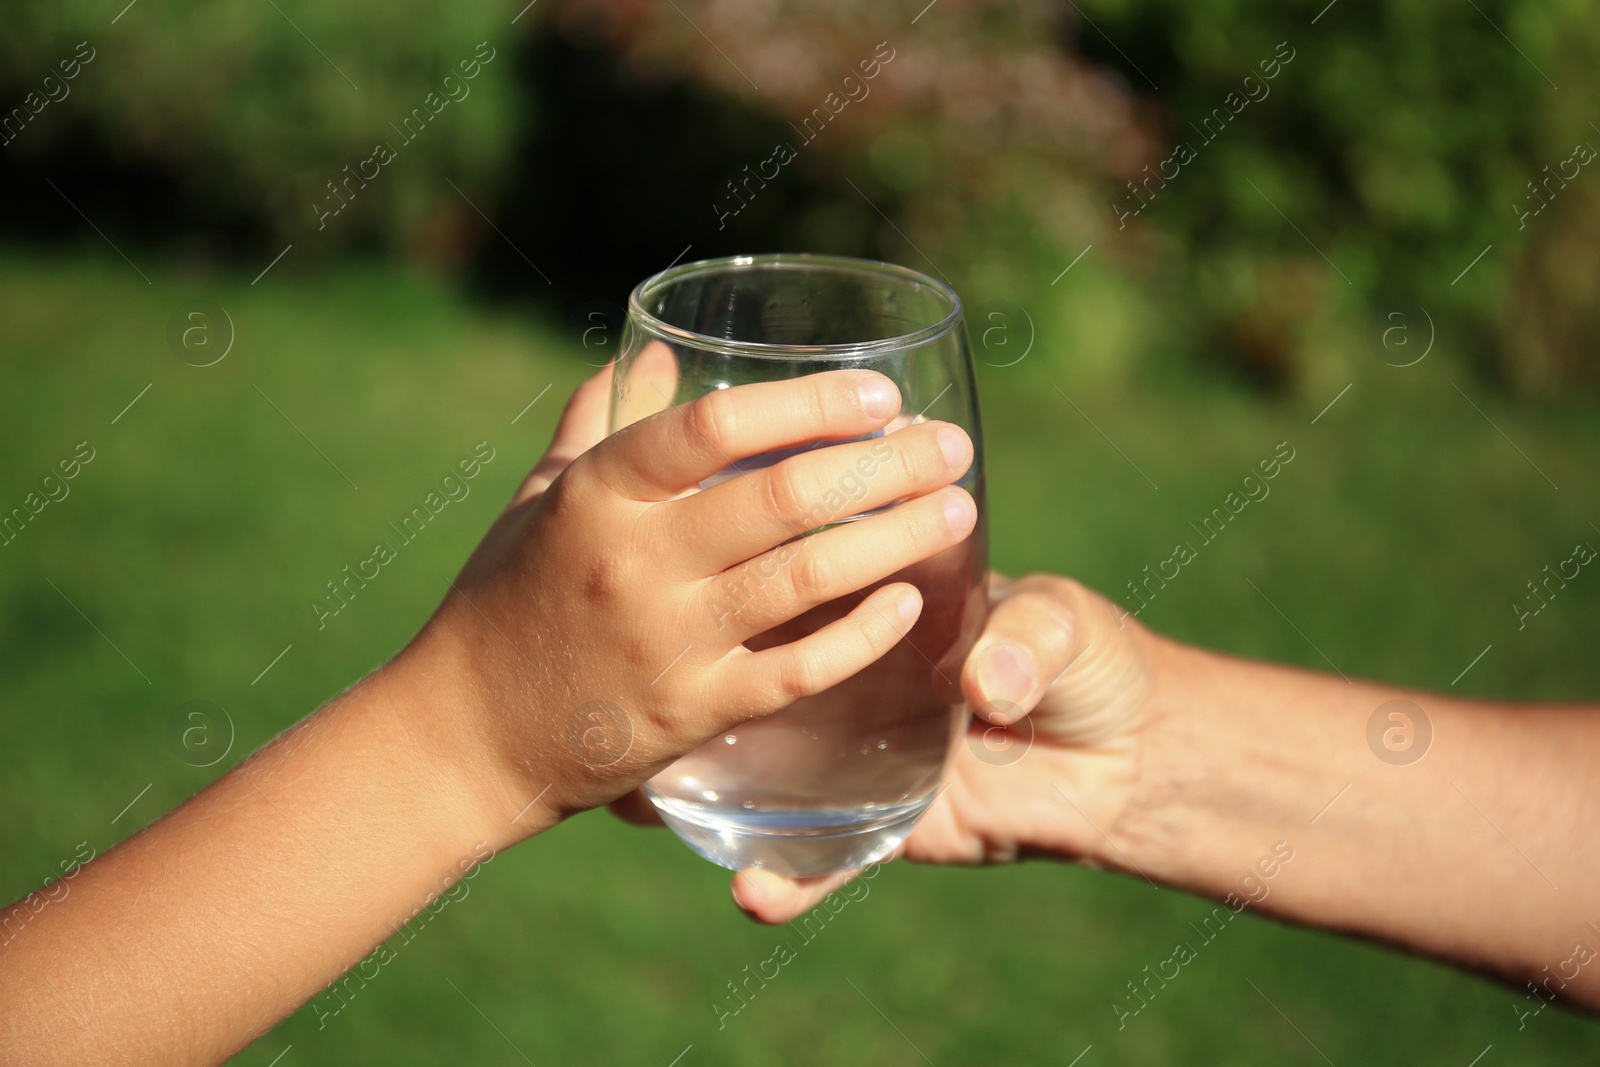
837, 780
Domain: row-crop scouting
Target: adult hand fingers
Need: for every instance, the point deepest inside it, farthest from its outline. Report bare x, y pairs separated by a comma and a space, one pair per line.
1061, 651
1027, 641
773, 899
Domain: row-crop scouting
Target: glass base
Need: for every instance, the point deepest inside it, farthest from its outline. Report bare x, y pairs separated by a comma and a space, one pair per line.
802, 843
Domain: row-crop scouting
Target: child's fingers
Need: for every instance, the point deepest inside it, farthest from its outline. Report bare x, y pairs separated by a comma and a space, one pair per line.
777, 677
660, 456
790, 580
739, 518
636, 808
581, 427
649, 385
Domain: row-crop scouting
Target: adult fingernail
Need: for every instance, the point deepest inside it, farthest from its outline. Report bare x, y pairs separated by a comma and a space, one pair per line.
878, 395
959, 512
953, 443
1006, 674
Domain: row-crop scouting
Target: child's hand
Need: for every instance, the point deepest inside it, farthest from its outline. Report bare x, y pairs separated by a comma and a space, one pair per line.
587, 643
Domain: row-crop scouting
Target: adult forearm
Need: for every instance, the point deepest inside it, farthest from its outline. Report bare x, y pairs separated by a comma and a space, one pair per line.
1478, 852
198, 934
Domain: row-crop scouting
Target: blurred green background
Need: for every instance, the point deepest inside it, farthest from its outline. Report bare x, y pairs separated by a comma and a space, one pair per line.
1308, 254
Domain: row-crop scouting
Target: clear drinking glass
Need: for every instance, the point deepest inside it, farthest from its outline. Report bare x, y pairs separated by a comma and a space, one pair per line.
837, 780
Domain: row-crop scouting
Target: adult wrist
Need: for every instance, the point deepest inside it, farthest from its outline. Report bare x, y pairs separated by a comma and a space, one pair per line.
1217, 771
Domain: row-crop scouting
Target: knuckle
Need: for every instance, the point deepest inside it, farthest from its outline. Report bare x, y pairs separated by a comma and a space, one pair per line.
1046, 620
916, 458
578, 480
588, 484
1054, 586
787, 495
577, 495
659, 720
602, 580
713, 418
797, 676
824, 397
811, 576
918, 530
877, 634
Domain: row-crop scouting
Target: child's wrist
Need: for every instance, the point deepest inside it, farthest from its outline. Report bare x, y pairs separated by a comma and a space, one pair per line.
431, 694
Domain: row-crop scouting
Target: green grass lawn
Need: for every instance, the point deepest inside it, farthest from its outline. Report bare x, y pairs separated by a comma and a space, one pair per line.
206, 524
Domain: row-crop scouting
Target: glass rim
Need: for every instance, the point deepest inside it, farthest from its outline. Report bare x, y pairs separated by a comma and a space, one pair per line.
790, 261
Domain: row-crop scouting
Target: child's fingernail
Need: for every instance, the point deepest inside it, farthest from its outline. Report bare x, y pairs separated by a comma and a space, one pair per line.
959, 512
953, 443
909, 606
878, 396
1005, 673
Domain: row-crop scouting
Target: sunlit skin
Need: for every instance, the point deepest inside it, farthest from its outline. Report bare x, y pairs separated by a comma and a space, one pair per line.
1147, 757
1184, 766
597, 583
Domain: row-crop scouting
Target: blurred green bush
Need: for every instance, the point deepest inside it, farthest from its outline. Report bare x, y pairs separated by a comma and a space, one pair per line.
1402, 141
1300, 169
1392, 144
253, 108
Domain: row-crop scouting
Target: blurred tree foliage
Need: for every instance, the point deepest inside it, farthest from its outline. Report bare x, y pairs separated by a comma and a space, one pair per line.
1363, 176
251, 107
1405, 139
981, 146
1397, 142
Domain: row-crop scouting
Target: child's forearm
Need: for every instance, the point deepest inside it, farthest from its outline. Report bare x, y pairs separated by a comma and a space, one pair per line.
1474, 853
599, 582
195, 936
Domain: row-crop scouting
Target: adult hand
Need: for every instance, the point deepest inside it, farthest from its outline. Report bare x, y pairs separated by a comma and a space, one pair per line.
1059, 682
